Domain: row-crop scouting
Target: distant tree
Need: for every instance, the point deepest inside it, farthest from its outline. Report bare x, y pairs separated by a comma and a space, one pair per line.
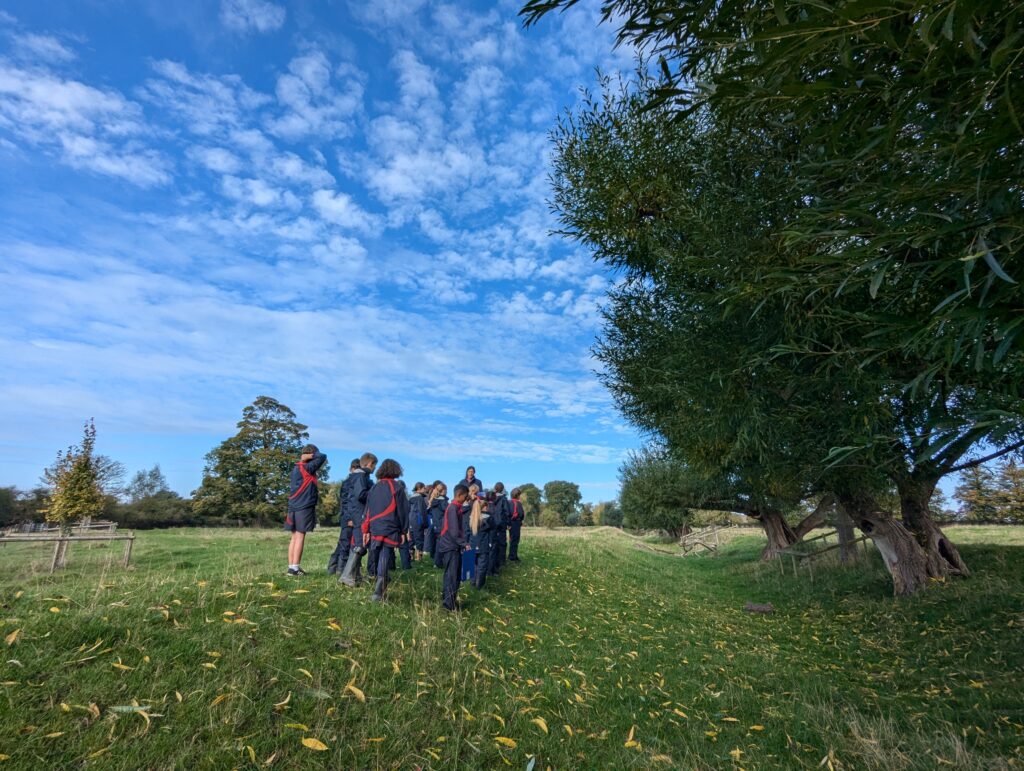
586, 518
940, 508
109, 475
247, 476
164, 508
608, 513
657, 492
145, 484
1010, 492
531, 498
977, 495
328, 506
75, 489
8, 504
563, 498
550, 517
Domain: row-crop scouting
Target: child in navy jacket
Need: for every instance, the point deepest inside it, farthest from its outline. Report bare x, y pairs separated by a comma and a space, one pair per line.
451, 543
301, 517
385, 524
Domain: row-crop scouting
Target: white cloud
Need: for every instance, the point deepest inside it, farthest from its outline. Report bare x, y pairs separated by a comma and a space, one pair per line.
137, 165
246, 15
216, 159
42, 48
310, 104
339, 209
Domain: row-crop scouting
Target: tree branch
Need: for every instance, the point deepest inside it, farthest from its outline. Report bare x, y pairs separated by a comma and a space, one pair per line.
987, 458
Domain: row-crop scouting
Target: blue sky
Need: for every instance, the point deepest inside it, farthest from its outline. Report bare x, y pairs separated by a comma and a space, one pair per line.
342, 205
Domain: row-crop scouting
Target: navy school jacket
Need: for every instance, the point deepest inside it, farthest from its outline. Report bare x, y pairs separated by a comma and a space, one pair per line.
476, 481
304, 494
359, 486
387, 512
452, 536
435, 512
501, 512
482, 537
516, 511
417, 511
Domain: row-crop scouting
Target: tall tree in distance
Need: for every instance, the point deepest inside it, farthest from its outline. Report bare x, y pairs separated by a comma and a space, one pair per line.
563, 498
247, 476
977, 494
530, 495
75, 491
146, 484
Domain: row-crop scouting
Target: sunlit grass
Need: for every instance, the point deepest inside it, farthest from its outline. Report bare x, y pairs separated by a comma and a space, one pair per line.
590, 653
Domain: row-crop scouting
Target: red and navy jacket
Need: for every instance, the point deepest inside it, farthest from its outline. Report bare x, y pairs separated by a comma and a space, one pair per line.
304, 494
435, 512
453, 535
515, 511
386, 517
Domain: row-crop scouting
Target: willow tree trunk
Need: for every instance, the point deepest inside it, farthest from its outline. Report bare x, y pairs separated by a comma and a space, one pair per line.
844, 530
778, 532
943, 558
903, 556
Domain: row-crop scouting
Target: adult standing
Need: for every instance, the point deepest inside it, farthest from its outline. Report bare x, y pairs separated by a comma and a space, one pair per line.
361, 484
472, 479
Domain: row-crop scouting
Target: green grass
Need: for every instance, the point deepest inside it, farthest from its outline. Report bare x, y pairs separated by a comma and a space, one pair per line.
630, 659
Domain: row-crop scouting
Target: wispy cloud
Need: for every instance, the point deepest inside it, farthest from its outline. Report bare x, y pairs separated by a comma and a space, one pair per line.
251, 15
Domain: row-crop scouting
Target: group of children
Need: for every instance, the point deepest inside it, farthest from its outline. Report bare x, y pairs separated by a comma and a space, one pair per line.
466, 535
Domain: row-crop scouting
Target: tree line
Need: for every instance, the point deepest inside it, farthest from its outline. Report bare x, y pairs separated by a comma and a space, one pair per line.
245, 483
815, 212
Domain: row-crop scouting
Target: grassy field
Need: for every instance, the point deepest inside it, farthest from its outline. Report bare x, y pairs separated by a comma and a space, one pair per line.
590, 653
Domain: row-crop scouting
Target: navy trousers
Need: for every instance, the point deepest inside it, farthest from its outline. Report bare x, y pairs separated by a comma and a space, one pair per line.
452, 562
513, 540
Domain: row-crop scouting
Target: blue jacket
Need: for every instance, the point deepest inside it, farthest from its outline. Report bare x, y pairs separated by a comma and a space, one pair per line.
387, 512
476, 481
435, 513
417, 511
516, 511
359, 487
501, 511
452, 536
304, 493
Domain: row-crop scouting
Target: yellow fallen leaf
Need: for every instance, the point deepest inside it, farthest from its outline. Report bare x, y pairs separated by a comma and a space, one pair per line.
209, 665
307, 673
757, 728
632, 731
313, 744
736, 753
504, 741
4, 757
177, 695
679, 712
297, 726
252, 753
287, 699
334, 626
65, 707
54, 735
356, 692
541, 723
568, 729
55, 609
122, 667
12, 637
631, 744
394, 666
730, 720
661, 758
229, 613
17, 594
219, 699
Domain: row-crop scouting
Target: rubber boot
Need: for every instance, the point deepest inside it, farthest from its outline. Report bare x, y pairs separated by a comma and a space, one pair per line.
380, 591
350, 575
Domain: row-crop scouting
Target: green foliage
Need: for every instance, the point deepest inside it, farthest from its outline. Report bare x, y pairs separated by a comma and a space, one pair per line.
530, 495
658, 491
164, 508
608, 513
145, 484
246, 478
550, 517
987, 495
586, 517
563, 498
75, 491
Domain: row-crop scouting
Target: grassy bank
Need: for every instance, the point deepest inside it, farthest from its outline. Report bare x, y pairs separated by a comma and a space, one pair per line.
590, 653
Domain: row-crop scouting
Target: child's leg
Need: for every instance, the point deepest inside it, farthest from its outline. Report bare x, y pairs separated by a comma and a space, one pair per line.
295, 548
449, 594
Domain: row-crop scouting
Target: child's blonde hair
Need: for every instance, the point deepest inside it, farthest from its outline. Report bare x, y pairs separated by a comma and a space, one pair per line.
476, 515
439, 489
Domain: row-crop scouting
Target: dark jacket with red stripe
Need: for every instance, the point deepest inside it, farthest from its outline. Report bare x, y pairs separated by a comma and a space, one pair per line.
417, 511
453, 535
516, 511
387, 512
501, 512
435, 512
304, 494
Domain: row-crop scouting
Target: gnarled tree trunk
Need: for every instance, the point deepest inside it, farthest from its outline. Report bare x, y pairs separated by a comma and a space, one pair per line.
778, 532
943, 558
903, 556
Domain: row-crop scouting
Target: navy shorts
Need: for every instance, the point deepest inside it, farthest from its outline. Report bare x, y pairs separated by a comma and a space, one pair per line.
300, 521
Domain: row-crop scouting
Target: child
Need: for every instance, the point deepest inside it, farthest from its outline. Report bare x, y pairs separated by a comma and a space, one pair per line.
515, 524
417, 517
468, 570
450, 545
500, 512
356, 503
301, 518
340, 555
386, 524
481, 525
436, 508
